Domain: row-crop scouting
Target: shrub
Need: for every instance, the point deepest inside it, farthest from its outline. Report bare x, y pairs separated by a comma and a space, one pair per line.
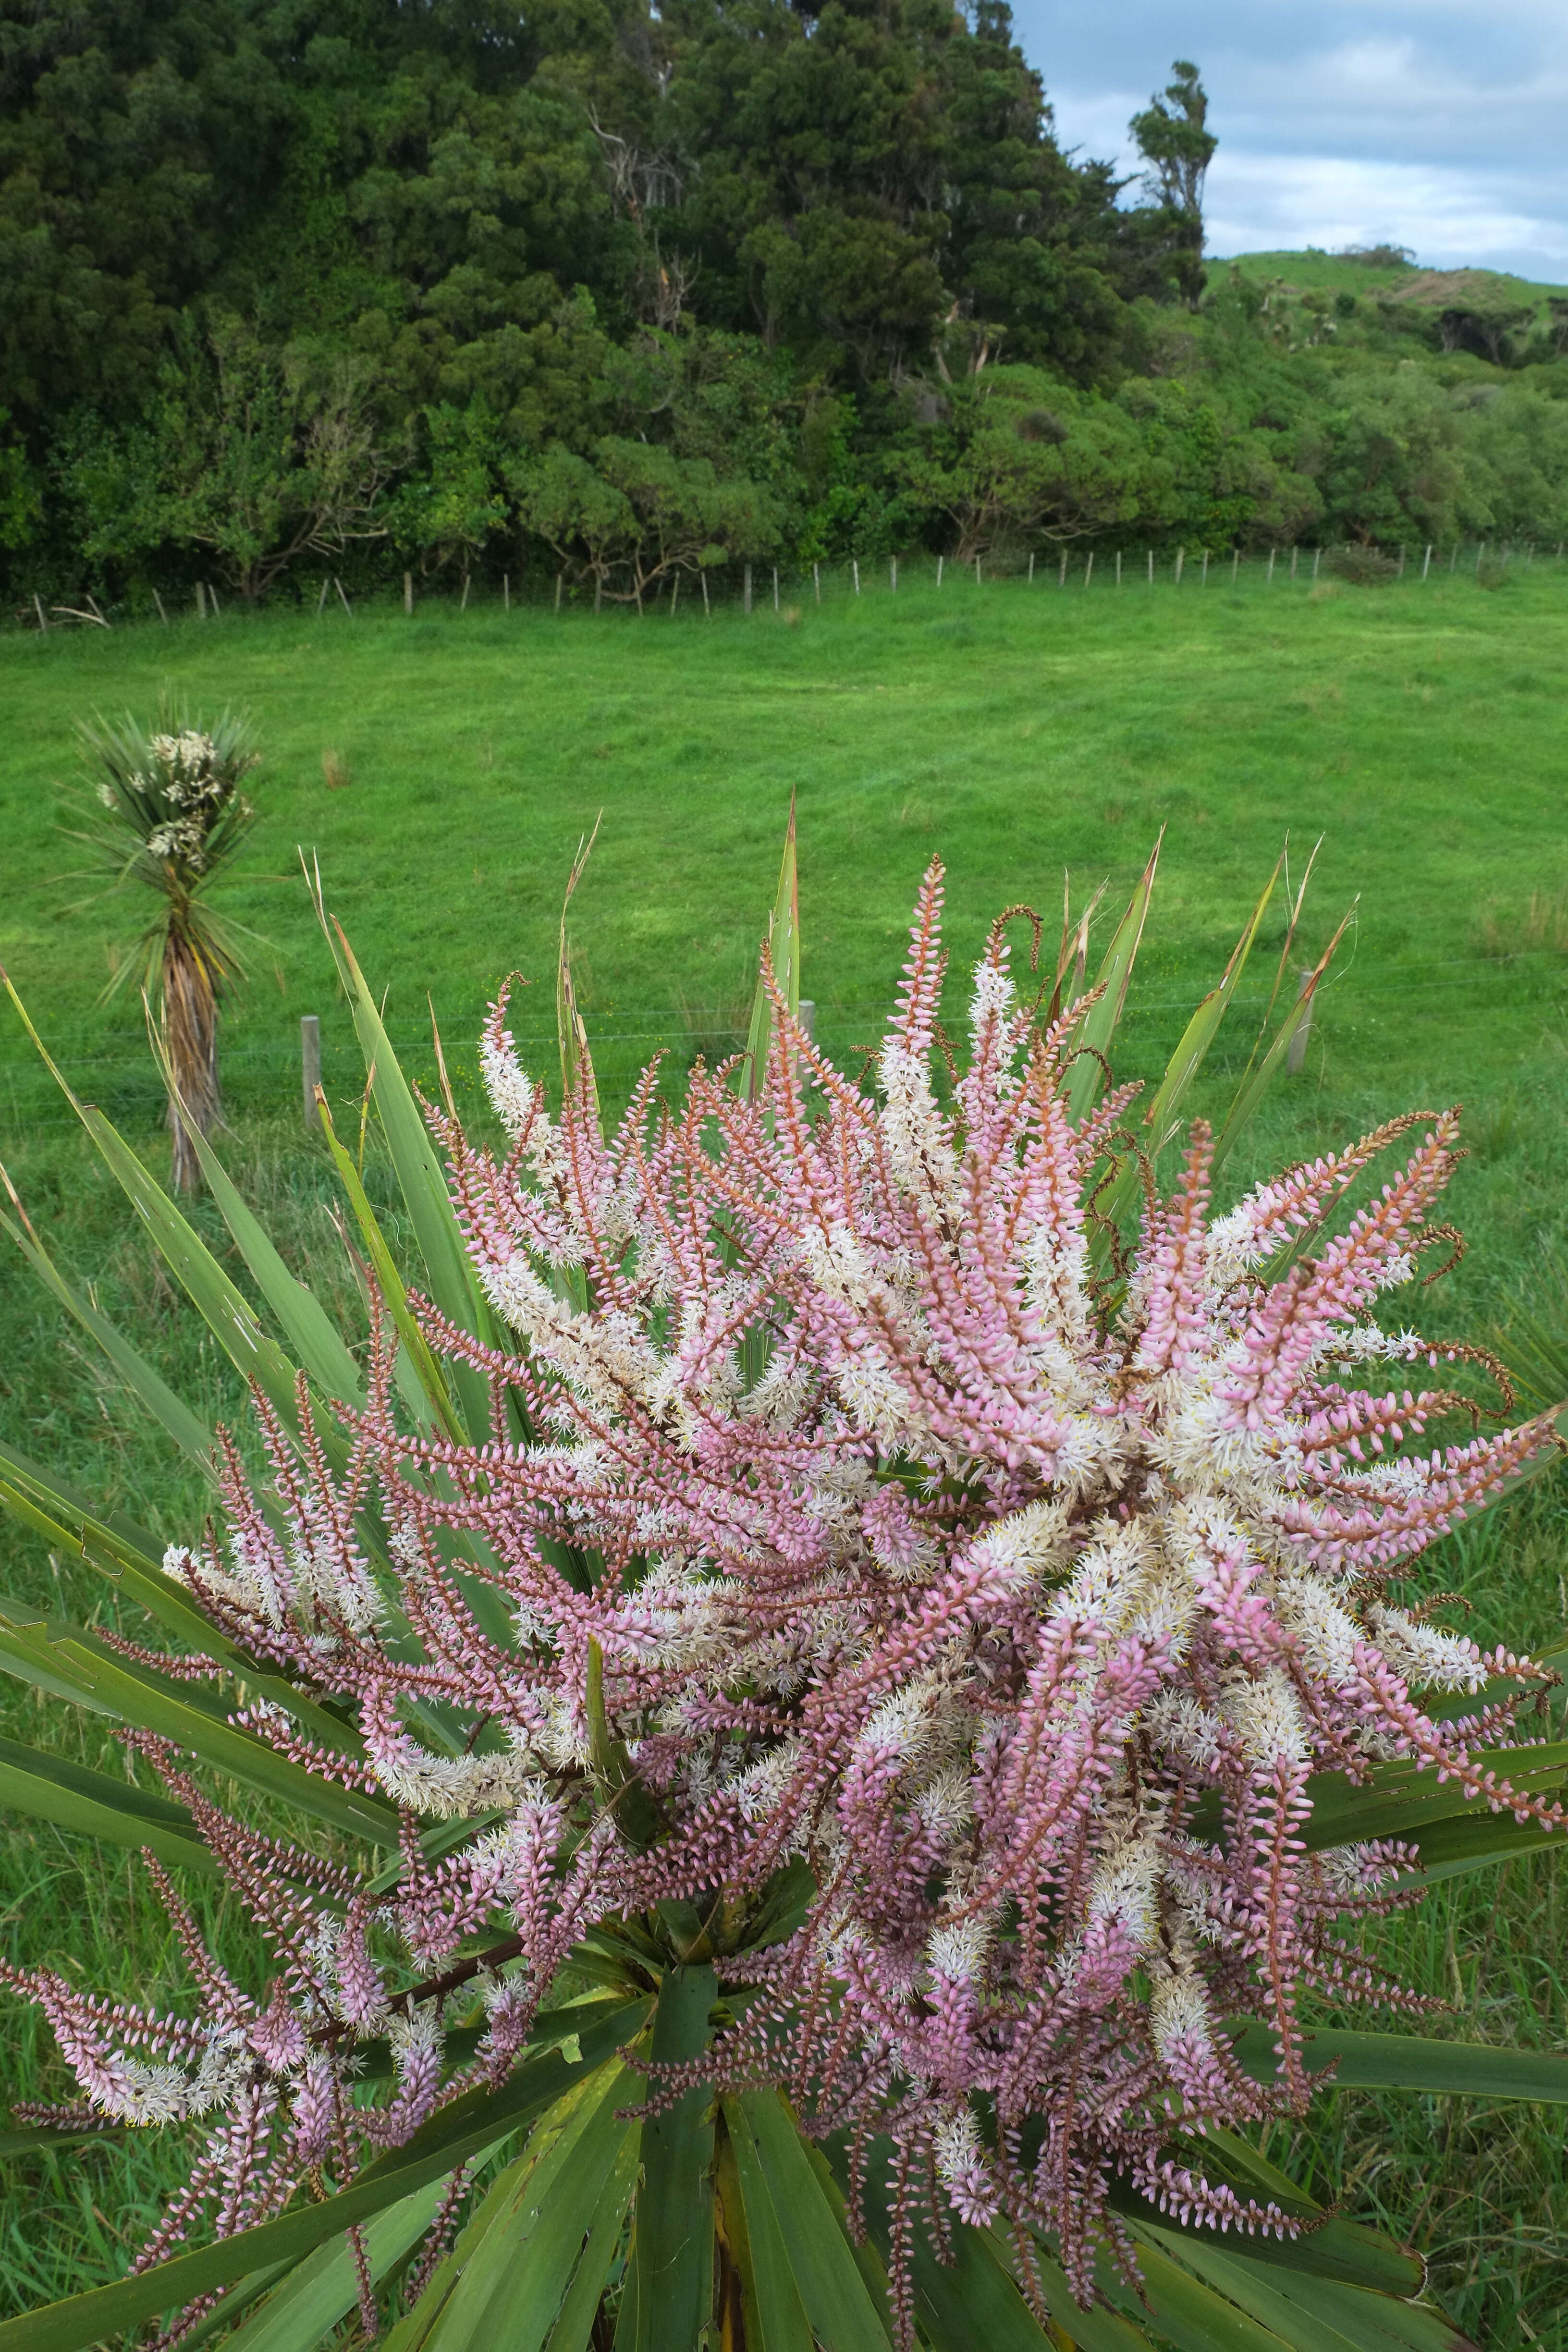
1364, 567
838, 1610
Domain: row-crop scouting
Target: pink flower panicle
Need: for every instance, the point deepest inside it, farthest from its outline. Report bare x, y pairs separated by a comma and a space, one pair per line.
1016, 1596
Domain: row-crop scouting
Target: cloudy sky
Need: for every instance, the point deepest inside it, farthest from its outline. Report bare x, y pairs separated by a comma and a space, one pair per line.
1440, 124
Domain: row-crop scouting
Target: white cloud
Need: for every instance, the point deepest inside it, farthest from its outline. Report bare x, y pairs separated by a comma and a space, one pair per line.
1263, 204
1435, 123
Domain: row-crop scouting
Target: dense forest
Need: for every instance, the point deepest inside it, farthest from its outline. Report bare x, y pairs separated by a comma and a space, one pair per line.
627, 293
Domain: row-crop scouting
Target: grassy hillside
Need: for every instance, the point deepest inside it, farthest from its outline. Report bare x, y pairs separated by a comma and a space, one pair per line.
1018, 730
1338, 273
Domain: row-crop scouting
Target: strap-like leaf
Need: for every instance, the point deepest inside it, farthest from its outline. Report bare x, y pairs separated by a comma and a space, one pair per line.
1203, 1027
1401, 1800
969, 2298
40, 2139
130, 1559
70, 1662
427, 1370
1409, 2062
1254, 1084
975, 2299
675, 2206
190, 1434
1100, 1023
1372, 2323
843, 2315
511, 2290
571, 1034
1332, 2247
774, 2314
306, 2305
227, 1313
1161, 1118
1186, 2311
452, 2137
1313, 2314
1451, 1848
53, 1788
579, 2308
1102, 2330
309, 1329
783, 945
454, 1285
414, 2331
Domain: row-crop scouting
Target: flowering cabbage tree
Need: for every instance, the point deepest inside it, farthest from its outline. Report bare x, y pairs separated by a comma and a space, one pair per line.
166, 810
861, 1659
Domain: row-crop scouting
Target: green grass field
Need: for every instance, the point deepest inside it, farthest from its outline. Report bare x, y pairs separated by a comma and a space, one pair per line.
1018, 730
1312, 272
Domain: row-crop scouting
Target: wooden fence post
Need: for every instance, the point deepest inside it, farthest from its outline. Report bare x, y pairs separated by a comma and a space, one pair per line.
806, 1013
506, 592
1151, 567
408, 592
201, 601
1031, 568
1180, 559
855, 568
939, 571
1203, 575
893, 574
339, 586
321, 599
1118, 567
1317, 559
776, 587
310, 1065
1234, 561
1062, 573
159, 602
1089, 569
1270, 563
707, 608
37, 607
559, 578
1426, 564
817, 582
746, 590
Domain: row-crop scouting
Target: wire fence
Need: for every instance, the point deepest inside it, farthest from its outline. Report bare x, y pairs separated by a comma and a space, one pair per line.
694, 592
107, 1062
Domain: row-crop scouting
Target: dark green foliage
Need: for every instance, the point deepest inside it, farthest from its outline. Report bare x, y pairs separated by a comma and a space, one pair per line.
287, 292
1176, 141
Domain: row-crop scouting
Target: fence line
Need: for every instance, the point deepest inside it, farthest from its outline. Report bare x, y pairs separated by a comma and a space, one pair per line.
730, 585
264, 1073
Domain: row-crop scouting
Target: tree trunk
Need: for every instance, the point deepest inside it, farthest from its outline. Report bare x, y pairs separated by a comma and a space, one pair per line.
190, 1019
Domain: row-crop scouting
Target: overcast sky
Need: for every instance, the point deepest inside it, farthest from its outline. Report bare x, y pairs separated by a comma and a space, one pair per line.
1440, 124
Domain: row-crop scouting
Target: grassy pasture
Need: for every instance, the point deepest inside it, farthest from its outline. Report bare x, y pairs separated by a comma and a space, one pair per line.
1312, 272
1017, 729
